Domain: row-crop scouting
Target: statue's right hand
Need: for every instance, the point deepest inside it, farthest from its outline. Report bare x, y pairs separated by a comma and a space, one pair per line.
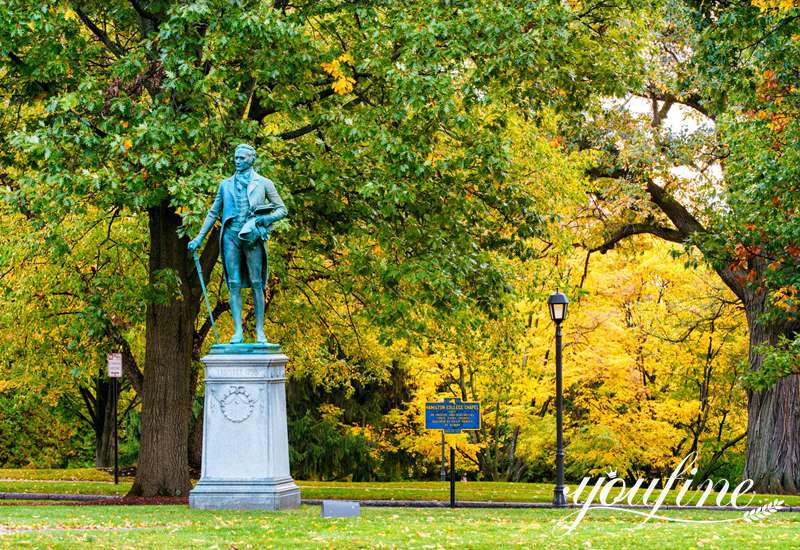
194, 244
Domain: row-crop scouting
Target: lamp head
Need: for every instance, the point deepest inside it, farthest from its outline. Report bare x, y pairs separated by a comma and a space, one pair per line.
557, 303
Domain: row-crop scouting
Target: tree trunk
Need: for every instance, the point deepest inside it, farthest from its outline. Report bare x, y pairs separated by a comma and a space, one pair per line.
196, 442
103, 424
166, 404
773, 429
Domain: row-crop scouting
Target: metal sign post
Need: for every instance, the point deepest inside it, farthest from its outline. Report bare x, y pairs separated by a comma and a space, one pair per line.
443, 471
452, 477
452, 416
115, 373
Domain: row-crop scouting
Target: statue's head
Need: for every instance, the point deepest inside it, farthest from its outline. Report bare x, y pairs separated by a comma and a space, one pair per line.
244, 157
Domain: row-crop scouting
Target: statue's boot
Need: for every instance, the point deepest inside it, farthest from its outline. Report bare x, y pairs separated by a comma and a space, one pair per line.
258, 305
236, 312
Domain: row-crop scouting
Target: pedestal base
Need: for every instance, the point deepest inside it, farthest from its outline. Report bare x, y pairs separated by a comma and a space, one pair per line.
245, 495
245, 441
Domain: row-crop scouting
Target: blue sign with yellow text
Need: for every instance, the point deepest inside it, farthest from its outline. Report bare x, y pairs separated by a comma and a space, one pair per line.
453, 415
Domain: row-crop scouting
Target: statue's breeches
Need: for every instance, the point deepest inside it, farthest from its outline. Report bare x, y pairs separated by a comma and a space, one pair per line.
244, 264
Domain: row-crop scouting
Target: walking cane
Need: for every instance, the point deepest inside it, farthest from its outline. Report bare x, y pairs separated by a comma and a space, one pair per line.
205, 294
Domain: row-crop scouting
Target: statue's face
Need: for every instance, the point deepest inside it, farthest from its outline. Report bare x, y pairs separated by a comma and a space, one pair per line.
243, 160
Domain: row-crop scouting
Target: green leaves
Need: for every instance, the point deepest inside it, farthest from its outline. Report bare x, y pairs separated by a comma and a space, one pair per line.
779, 361
418, 172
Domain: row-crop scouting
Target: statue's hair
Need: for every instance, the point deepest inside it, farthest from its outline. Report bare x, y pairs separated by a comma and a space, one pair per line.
249, 148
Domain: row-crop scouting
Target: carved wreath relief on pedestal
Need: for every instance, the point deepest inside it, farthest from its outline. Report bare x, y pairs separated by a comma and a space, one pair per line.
236, 405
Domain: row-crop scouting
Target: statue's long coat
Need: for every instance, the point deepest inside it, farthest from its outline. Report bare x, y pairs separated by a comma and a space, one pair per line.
260, 192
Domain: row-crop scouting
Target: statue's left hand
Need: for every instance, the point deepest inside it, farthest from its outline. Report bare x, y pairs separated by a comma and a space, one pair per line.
264, 223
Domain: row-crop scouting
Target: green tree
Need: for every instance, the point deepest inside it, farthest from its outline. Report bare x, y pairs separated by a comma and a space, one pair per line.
724, 189
382, 123
70, 295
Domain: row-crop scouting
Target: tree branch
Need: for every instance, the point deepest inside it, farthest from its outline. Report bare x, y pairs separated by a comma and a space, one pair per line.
89, 401
686, 223
689, 225
258, 112
293, 134
638, 229
713, 463
583, 276
659, 114
143, 13
692, 101
683, 220
130, 406
307, 129
46, 87
98, 32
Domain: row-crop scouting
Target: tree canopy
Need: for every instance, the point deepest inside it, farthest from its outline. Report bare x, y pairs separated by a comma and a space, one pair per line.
445, 165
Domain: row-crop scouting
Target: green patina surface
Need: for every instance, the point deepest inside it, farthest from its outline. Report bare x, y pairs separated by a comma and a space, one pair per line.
224, 349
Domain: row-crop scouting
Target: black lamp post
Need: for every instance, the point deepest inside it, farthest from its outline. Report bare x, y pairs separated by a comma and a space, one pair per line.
558, 312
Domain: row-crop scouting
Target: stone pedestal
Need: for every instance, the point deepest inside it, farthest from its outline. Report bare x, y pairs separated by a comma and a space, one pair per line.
245, 442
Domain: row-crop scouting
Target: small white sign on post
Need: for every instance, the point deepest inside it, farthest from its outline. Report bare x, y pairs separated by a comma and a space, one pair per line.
114, 365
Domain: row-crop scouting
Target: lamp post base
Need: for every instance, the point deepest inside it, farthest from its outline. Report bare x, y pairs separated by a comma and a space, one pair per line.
559, 497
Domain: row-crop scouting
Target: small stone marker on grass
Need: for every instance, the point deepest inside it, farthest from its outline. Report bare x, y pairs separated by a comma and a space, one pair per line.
340, 509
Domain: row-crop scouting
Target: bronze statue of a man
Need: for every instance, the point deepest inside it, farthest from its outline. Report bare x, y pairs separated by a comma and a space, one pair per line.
248, 205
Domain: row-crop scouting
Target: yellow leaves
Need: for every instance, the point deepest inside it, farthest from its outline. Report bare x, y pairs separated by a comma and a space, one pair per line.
433, 157
333, 68
330, 412
778, 122
786, 298
127, 144
343, 83
629, 356
781, 5
8, 385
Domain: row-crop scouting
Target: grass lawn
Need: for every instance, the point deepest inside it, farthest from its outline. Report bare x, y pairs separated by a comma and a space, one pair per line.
478, 490
180, 527
66, 487
66, 474
401, 490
